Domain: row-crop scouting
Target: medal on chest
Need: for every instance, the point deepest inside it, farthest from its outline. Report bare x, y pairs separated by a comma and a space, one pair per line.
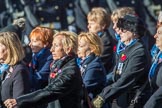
123, 57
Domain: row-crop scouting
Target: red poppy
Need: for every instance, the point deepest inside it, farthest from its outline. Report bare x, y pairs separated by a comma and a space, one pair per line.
123, 57
52, 75
114, 48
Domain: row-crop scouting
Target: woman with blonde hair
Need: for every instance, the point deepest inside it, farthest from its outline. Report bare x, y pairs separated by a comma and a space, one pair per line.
14, 74
65, 82
92, 70
98, 23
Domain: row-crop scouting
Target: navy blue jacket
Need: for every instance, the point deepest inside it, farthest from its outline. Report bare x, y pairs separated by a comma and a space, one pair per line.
39, 76
107, 54
93, 74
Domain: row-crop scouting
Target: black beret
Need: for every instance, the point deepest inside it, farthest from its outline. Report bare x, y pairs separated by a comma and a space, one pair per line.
132, 23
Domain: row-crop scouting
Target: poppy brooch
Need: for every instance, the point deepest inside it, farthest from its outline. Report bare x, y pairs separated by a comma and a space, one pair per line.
52, 75
114, 48
123, 57
56, 72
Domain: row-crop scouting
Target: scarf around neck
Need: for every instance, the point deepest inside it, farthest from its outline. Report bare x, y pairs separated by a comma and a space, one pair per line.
121, 46
156, 60
3, 68
36, 56
83, 63
56, 66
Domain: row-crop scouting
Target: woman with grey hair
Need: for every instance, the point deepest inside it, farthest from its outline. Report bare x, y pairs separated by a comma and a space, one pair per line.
132, 65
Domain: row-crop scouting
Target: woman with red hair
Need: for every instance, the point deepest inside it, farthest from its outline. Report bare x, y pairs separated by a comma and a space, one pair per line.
40, 42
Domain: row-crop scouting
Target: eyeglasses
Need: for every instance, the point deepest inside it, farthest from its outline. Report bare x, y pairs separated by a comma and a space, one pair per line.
123, 30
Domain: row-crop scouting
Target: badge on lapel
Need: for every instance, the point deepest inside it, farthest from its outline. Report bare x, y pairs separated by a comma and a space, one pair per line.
123, 57
119, 68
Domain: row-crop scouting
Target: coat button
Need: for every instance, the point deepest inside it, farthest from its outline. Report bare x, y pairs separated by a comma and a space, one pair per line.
42, 19
57, 18
56, 7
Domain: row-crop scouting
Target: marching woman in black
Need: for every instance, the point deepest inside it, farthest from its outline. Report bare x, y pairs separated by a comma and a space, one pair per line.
155, 73
132, 65
65, 82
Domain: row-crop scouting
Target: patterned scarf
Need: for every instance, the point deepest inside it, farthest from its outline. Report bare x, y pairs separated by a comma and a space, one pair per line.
3, 68
80, 61
83, 63
154, 52
156, 59
56, 66
35, 58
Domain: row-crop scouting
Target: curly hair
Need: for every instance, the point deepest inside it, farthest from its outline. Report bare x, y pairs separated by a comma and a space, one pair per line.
132, 23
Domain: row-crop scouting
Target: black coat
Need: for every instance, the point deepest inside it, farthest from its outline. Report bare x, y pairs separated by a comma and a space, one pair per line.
136, 63
155, 100
62, 91
107, 54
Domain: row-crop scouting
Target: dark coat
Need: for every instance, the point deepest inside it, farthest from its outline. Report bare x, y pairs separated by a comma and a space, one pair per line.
62, 91
107, 54
94, 75
17, 84
39, 76
136, 64
155, 100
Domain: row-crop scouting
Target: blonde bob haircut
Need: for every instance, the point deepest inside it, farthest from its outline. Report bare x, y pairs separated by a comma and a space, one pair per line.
15, 52
69, 41
99, 15
94, 41
121, 12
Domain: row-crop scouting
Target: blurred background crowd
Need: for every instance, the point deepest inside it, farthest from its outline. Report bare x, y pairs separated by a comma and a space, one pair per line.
71, 14
36, 21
